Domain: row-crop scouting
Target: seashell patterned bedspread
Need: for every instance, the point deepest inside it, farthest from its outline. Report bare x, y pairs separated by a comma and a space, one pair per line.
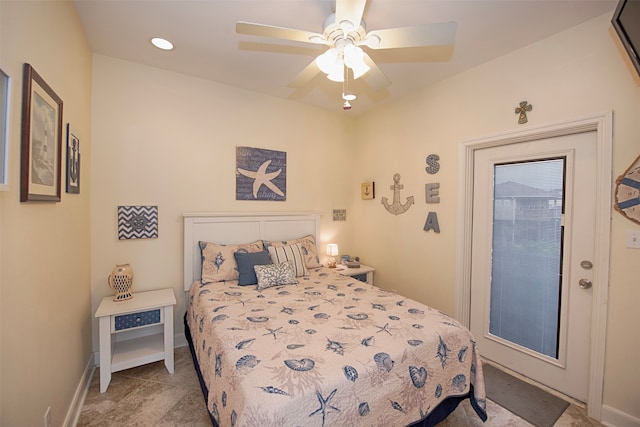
330, 351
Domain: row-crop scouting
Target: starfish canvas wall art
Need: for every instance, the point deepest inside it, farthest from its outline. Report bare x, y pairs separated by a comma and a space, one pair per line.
261, 174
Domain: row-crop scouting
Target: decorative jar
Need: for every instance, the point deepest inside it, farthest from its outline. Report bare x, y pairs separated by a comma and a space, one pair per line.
121, 281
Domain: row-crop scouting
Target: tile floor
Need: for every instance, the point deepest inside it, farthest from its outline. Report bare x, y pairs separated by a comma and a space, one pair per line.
149, 396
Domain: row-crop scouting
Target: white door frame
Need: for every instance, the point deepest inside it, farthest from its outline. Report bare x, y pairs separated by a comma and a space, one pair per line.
602, 124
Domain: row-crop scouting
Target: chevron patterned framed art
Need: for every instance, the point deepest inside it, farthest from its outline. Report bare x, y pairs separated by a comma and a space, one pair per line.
137, 222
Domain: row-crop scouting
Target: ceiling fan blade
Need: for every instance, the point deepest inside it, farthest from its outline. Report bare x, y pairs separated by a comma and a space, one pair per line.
350, 10
375, 77
305, 76
422, 35
283, 33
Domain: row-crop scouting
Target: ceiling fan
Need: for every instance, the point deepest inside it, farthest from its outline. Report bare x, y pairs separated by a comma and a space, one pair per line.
344, 32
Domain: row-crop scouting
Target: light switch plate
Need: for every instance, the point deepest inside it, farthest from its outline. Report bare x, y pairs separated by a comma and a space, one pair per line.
633, 239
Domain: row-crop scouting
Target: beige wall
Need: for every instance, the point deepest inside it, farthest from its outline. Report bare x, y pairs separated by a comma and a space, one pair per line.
160, 138
167, 122
166, 139
44, 252
572, 74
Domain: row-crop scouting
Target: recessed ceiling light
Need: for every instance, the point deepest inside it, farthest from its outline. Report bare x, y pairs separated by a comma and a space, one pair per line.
161, 43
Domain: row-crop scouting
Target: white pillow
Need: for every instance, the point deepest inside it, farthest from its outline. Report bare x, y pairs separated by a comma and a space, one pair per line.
290, 253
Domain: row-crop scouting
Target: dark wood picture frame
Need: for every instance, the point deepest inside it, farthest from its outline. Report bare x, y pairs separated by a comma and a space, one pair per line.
368, 190
73, 162
41, 140
5, 89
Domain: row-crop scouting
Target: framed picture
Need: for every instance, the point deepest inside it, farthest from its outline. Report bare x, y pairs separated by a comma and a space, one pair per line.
41, 141
73, 162
339, 214
137, 222
4, 129
368, 190
261, 174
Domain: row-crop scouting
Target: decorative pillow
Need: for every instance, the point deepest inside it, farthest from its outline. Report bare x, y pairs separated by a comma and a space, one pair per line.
246, 261
309, 249
218, 262
289, 253
275, 274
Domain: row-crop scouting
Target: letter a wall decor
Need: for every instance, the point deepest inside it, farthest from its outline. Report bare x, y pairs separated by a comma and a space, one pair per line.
261, 174
432, 193
137, 222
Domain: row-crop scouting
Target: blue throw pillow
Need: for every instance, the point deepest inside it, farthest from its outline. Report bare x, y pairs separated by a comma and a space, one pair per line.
246, 261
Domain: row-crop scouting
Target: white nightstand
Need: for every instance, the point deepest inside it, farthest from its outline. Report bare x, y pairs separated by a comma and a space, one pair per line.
144, 310
364, 273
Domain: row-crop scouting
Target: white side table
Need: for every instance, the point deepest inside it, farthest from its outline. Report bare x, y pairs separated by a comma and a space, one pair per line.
364, 271
145, 309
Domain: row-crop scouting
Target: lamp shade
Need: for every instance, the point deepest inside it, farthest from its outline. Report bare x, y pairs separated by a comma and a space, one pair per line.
354, 59
333, 61
332, 249
329, 61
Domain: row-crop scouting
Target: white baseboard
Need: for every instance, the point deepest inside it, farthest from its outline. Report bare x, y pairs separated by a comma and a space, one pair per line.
613, 417
179, 340
73, 414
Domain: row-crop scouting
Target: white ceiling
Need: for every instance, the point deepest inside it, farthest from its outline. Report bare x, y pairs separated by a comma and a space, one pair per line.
207, 46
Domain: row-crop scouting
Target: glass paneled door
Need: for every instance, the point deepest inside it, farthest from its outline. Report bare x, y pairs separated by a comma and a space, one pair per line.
532, 244
526, 273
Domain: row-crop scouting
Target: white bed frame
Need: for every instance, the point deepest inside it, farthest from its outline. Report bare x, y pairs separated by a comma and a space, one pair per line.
236, 228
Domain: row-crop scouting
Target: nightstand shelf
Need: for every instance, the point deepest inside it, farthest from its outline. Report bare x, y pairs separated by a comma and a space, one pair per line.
364, 273
137, 351
122, 346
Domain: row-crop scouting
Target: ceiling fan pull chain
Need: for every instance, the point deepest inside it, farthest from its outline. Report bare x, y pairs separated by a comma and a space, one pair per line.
346, 95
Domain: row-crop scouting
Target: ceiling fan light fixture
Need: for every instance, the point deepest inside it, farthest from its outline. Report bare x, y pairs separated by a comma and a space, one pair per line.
371, 41
344, 32
336, 75
359, 70
354, 59
329, 61
346, 27
349, 96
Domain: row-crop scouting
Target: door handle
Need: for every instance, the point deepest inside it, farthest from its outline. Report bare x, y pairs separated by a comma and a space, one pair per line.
585, 283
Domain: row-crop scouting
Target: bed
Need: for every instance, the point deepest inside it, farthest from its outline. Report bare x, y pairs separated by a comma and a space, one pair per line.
327, 350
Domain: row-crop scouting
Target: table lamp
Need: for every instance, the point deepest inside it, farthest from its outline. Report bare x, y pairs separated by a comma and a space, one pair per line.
332, 251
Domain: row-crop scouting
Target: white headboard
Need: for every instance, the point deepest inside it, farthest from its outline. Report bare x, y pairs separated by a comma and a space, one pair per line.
237, 228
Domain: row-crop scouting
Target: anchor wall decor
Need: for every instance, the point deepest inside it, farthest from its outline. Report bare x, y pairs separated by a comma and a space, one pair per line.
396, 207
73, 162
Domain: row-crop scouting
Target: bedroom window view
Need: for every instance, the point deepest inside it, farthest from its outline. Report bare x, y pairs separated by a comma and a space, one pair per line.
527, 254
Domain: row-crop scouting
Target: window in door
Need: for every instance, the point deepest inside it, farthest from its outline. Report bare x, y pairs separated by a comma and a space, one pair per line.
526, 272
